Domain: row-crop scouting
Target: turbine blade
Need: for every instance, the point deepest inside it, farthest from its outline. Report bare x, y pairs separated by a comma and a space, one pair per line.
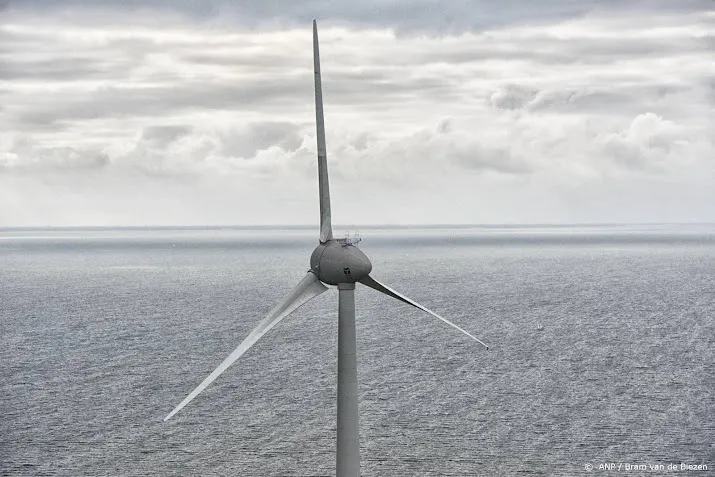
306, 289
326, 228
374, 284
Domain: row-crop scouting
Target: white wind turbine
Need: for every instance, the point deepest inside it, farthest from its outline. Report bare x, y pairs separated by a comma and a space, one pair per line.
333, 262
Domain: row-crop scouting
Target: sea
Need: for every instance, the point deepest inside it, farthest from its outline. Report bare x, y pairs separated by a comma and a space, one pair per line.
602, 352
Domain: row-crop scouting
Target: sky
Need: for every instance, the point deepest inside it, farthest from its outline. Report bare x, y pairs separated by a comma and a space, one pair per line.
190, 112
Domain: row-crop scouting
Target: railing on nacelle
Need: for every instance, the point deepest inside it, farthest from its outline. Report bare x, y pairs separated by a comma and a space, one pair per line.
350, 239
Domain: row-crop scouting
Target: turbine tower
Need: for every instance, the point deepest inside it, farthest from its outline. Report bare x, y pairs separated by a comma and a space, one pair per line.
336, 262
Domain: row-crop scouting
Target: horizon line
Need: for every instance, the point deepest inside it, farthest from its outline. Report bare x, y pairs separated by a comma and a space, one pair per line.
343, 226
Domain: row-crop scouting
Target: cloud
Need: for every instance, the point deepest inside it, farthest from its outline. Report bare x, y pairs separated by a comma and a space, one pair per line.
512, 97
516, 118
649, 142
418, 16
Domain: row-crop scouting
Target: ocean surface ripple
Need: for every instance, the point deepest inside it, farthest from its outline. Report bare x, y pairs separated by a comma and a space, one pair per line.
602, 350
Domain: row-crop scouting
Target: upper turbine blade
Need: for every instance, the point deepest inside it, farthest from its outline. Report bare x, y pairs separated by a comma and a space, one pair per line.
372, 283
326, 228
306, 289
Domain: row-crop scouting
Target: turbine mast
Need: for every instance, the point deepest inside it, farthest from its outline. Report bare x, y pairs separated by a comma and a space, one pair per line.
347, 455
326, 229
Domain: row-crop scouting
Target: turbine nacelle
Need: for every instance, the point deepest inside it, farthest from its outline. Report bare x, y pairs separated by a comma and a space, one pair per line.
337, 261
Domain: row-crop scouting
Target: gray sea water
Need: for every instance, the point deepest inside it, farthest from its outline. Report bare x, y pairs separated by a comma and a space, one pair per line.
602, 351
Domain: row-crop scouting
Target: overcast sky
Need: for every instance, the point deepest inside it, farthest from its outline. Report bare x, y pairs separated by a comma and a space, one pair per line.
189, 113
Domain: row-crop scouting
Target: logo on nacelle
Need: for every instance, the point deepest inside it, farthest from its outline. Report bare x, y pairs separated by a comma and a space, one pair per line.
346, 271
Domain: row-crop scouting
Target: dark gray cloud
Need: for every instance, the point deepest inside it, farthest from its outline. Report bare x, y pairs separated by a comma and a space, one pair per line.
163, 135
157, 151
64, 69
512, 97
254, 137
405, 16
489, 159
153, 101
553, 50
614, 100
31, 159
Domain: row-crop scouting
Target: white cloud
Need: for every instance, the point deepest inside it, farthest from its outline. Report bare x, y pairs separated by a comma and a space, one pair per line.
571, 119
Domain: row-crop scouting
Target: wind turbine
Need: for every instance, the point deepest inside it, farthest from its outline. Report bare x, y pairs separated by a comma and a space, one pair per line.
335, 262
